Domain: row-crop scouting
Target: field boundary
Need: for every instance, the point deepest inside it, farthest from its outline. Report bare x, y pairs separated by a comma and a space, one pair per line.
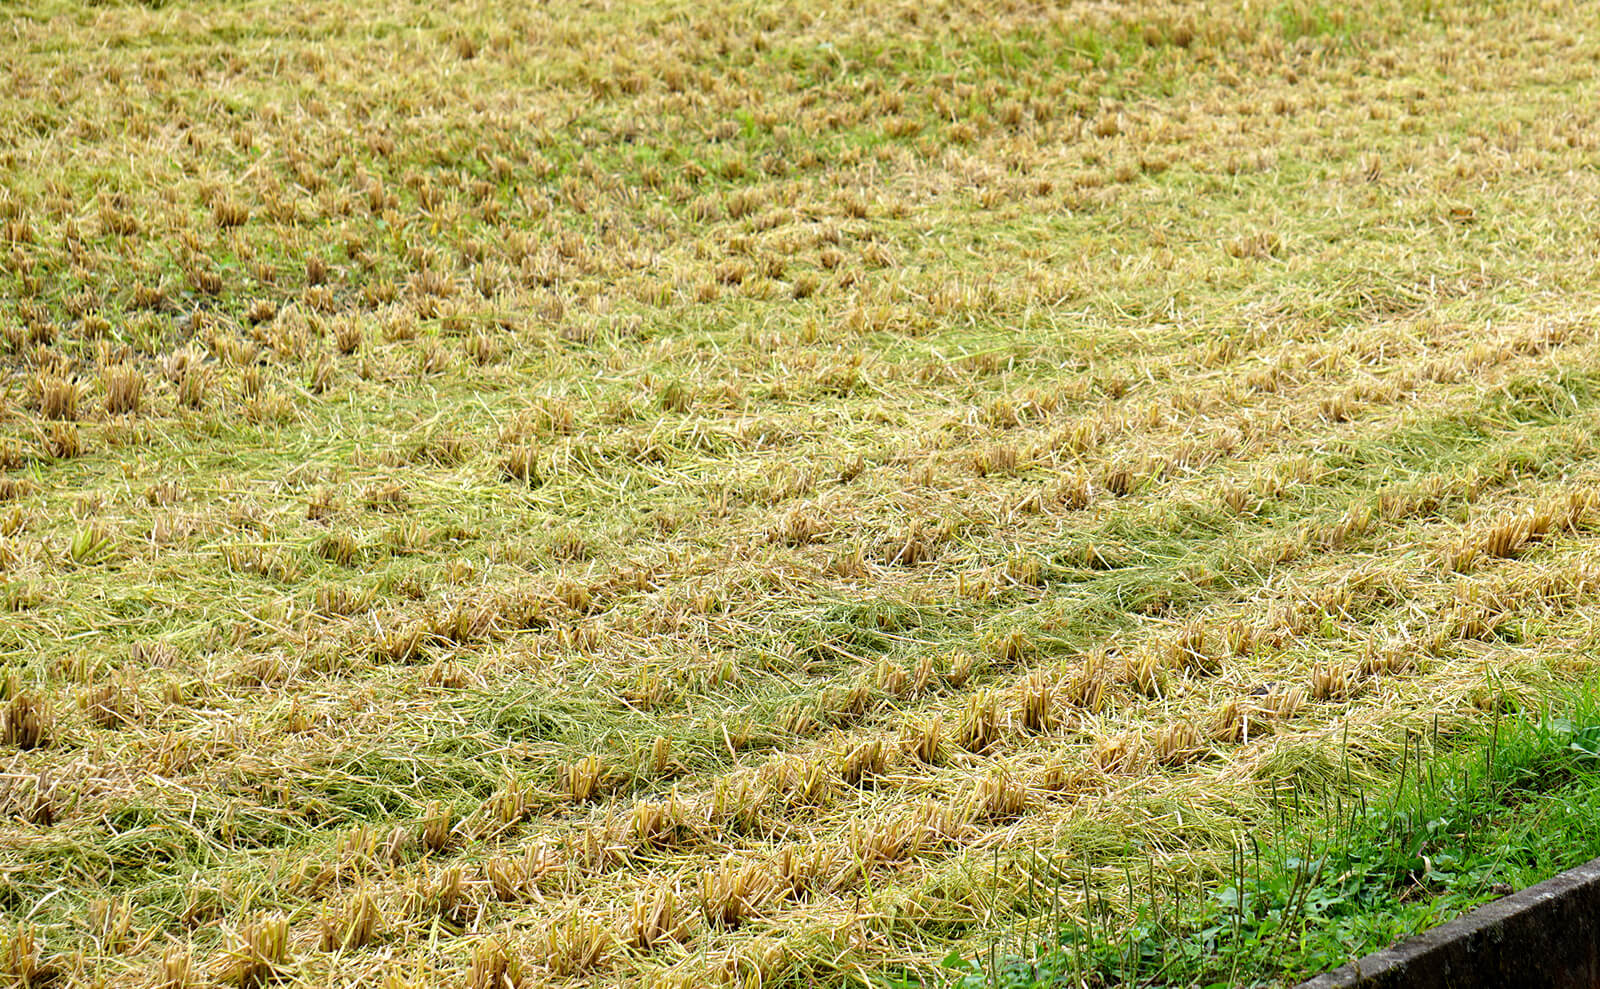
1545, 935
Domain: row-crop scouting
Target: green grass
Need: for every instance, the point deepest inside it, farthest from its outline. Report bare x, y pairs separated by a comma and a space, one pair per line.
1347, 868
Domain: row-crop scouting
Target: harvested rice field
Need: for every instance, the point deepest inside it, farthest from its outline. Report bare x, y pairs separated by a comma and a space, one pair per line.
744, 492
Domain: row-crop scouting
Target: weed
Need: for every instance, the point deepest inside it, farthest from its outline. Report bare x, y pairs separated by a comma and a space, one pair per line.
1467, 819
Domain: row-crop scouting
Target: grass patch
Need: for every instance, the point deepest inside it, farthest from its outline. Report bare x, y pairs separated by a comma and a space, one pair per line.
1344, 869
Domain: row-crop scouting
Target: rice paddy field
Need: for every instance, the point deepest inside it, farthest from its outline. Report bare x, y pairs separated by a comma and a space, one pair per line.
745, 492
